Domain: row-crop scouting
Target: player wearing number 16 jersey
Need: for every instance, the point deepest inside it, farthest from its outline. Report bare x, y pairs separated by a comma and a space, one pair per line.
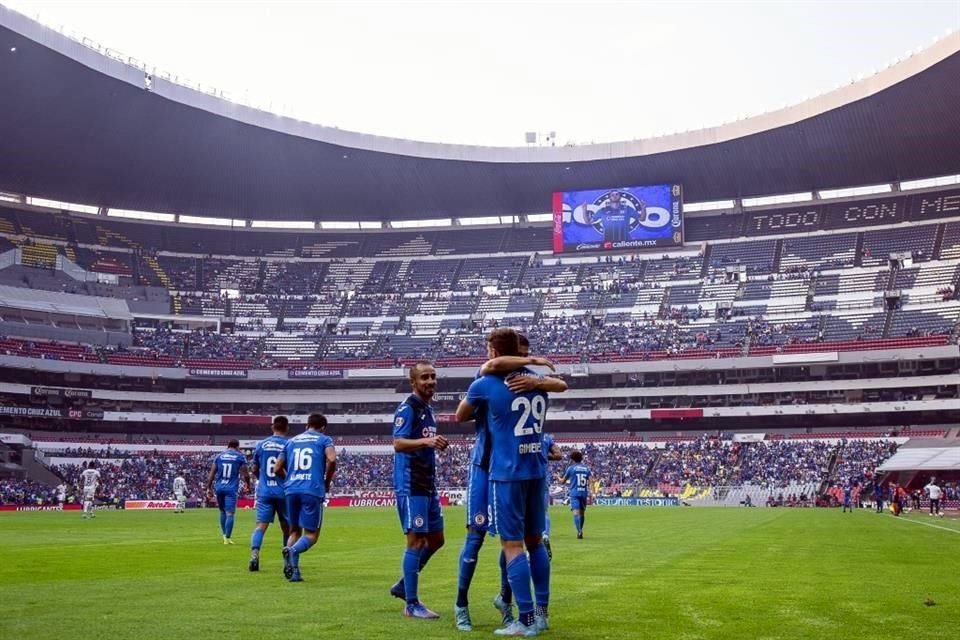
271, 500
578, 475
226, 471
307, 465
518, 469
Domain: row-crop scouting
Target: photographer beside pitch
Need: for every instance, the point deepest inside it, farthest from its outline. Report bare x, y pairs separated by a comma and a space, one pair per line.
518, 472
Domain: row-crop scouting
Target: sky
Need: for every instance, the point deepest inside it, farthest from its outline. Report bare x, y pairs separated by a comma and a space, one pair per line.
487, 72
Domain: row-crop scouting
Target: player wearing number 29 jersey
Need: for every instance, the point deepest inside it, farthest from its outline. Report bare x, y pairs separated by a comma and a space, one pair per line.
271, 500
518, 469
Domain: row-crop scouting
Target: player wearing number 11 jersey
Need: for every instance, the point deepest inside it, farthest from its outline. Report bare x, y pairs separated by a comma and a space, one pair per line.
271, 500
307, 465
226, 471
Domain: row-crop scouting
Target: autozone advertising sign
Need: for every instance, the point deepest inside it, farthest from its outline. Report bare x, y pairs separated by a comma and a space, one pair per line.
150, 504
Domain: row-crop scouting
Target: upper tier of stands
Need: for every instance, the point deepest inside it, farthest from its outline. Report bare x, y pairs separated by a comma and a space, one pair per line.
414, 296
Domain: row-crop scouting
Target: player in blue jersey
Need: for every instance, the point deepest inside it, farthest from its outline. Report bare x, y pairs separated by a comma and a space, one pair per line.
517, 481
478, 505
307, 465
271, 500
616, 218
415, 443
848, 497
578, 476
553, 455
226, 472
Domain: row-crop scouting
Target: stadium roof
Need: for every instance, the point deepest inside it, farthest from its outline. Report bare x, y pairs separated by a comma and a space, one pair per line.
923, 459
78, 125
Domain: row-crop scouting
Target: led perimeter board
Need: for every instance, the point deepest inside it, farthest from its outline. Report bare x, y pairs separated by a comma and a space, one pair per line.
618, 218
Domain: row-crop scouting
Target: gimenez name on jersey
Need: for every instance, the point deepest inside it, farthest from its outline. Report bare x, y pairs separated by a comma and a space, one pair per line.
530, 447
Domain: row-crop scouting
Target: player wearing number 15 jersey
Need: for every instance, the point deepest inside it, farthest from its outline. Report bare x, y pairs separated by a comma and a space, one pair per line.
578, 475
307, 465
226, 471
518, 470
271, 500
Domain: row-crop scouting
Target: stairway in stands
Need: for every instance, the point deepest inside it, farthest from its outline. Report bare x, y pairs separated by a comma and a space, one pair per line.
158, 271
41, 256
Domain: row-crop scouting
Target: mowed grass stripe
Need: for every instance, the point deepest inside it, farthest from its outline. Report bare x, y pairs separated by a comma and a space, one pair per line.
639, 573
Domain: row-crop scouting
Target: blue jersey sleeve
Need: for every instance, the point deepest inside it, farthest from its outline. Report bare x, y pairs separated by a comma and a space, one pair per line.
566, 474
479, 391
403, 422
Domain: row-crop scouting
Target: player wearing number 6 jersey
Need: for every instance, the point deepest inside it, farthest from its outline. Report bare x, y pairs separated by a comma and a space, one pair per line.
227, 469
307, 465
518, 469
578, 475
271, 500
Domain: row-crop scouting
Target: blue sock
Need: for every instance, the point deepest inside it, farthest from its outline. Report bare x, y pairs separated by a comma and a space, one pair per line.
256, 540
540, 572
468, 564
506, 593
223, 523
300, 546
578, 523
411, 571
228, 526
518, 570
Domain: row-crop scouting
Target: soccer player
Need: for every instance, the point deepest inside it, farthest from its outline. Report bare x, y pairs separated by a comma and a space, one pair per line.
91, 480
848, 497
935, 493
578, 475
180, 493
227, 469
616, 218
415, 443
478, 505
307, 464
62, 493
878, 495
553, 455
517, 479
270, 498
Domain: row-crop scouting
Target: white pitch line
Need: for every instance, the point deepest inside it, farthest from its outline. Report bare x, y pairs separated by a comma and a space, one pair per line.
928, 524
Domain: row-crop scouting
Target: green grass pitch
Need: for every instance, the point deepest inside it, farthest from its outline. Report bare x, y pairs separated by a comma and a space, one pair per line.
639, 573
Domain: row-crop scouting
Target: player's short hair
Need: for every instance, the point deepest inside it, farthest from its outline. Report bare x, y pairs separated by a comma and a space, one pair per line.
576, 456
233, 444
281, 423
317, 421
523, 340
505, 342
417, 365
92, 464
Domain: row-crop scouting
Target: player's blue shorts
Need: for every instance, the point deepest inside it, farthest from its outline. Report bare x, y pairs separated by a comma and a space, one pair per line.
420, 514
478, 499
227, 501
267, 508
518, 508
578, 503
305, 511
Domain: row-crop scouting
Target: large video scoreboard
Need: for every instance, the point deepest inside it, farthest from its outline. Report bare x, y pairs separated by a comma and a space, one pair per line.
618, 218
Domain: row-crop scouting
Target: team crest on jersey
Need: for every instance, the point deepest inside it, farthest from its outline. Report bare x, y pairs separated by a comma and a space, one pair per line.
479, 519
418, 521
399, 421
